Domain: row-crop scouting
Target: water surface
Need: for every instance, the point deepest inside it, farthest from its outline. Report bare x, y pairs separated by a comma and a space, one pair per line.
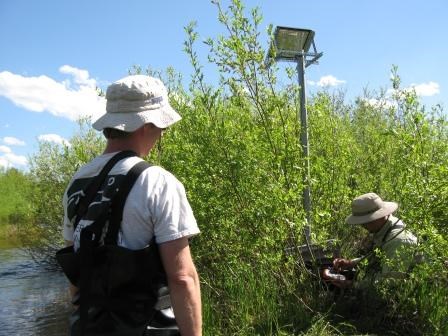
33, 301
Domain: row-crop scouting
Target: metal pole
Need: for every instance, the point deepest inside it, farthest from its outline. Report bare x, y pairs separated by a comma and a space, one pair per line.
305, 147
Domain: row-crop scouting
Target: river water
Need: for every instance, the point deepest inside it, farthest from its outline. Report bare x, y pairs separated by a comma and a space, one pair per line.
33, 301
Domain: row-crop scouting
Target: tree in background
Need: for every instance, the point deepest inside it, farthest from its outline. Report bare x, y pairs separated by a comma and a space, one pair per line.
50, 172
14, 186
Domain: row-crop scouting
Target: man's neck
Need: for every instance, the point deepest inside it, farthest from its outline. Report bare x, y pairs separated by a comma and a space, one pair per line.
379, 236
117, 145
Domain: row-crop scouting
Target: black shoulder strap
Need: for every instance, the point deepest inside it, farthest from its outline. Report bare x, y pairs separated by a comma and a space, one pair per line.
120, 199
95, 184
393, 226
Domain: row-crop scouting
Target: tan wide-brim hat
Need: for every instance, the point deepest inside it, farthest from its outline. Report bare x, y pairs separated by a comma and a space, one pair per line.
135, 101
369, 207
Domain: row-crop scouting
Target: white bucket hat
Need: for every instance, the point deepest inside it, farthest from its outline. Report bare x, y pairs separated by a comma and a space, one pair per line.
135, 101
369, 207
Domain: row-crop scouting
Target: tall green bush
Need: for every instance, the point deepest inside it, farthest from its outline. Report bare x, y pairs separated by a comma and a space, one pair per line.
245, 168
14, 186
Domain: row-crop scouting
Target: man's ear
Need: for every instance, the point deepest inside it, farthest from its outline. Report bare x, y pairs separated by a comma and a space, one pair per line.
150, 126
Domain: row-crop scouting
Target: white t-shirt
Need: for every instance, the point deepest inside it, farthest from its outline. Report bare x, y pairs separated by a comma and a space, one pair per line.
156, 205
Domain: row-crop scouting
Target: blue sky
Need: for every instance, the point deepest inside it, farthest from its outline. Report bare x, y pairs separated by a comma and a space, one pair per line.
54, 53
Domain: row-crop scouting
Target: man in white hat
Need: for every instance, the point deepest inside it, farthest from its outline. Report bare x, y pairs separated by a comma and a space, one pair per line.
156, 207
393, 245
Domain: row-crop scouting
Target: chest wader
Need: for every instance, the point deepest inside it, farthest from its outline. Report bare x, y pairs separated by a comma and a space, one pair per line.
119, 288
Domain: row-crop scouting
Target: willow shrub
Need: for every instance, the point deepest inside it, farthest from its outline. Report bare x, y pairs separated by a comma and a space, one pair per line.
238, 154
242, 165
50, 171
14, 185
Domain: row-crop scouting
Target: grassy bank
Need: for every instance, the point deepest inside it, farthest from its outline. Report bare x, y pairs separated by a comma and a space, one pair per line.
8, 236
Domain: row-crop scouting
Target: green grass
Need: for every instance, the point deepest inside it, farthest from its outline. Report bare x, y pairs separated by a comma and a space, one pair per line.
8, 236
252, 300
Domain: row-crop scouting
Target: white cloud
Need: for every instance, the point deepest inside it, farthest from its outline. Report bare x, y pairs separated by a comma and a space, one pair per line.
423, 89
7, 158
379, 103
5, 149
10, 160
13, 141
426, 89
73, 98
53, 138
80, 76
4, 163
326, 81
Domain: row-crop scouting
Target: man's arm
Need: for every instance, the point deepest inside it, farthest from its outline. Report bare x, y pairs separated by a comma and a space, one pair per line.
183, 282
341, 264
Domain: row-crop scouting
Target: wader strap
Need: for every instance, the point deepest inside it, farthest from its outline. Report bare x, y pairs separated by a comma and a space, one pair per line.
384, 241
119, 201
87, 243
95, 184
